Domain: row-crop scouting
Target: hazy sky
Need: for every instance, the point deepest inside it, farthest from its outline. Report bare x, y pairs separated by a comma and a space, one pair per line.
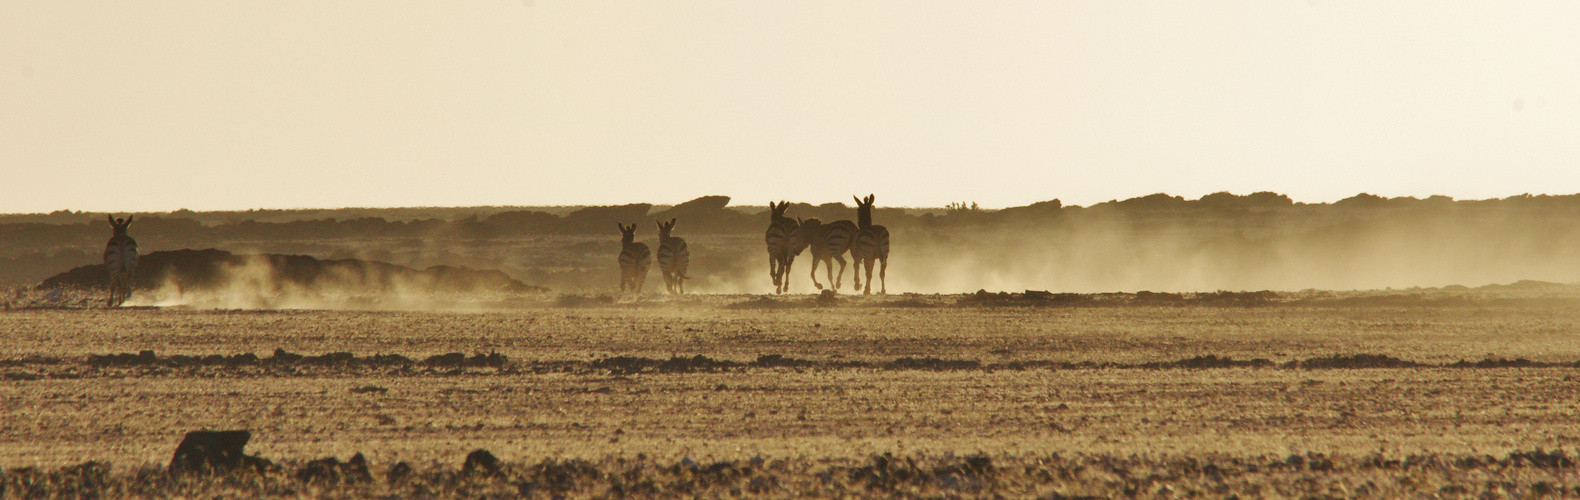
158, 105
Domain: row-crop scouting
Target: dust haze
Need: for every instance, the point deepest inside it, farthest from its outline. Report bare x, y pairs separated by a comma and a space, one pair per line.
1118, 252
1164, 243
257, 283
492, 256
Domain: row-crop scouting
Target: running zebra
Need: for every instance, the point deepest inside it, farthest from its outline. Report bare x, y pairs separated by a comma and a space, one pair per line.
828, 242
872, 243
673, 258
634, 260
120, 259
784, 243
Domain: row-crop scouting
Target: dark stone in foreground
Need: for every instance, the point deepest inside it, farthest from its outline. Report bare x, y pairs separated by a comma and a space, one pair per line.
207, 452
480, 461
331, 470
399, 473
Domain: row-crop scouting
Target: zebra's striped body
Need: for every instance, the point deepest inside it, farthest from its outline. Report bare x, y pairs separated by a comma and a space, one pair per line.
872, 244
673, 258
120, 259
784, 243
828, 243
634, 260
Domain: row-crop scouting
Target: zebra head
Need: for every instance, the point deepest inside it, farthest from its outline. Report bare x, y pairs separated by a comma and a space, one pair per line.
864, 210
627, 233
119, 225
664, 228
777, 212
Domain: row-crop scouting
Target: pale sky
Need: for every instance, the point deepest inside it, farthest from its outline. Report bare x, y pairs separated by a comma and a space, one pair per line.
214, 105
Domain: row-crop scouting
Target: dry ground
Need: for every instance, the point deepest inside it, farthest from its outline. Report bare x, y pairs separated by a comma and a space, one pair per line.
917, 377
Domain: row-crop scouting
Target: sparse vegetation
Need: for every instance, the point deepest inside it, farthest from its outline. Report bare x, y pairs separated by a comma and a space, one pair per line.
1358, 394
1522, 473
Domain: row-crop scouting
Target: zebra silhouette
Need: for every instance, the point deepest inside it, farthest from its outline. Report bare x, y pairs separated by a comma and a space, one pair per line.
872, 244
634, 260
784, 243
673, 258
828, 243
120, 259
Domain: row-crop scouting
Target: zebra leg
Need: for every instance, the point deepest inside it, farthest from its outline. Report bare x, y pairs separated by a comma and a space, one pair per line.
814, 273
773, 270
867, 263
116, 297
883, 272
841, 276
856, 274
785, 270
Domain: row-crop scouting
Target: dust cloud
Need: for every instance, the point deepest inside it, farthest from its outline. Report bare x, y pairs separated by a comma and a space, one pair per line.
1119, 254
1426, 243
1160, 243
213, 278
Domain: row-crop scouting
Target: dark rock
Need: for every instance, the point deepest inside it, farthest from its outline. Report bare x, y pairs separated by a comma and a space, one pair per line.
208, 452
480, 462
492, 359
357, 468
330, 359
399, 473
450, 359
933, 364
828, 298
331, 470
283, 356
323, 471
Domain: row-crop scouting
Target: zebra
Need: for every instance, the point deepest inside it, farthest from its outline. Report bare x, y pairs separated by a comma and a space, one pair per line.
120, 259
872, 243
634, 260
828, 242
673, 258
784, 244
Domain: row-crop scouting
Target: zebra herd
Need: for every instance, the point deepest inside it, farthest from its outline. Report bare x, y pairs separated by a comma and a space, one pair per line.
635, 258
868, 245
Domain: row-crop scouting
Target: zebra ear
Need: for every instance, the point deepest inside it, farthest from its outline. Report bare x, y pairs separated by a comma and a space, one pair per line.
128, 220
111, 217
671, 222
871, 198
857, 198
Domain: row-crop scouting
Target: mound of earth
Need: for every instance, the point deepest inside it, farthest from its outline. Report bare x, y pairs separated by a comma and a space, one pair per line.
210, 268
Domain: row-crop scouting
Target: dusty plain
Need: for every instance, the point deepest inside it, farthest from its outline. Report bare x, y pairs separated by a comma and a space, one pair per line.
823, 391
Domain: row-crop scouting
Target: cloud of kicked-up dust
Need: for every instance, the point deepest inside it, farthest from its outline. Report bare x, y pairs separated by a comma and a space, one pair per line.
1070, 249
260, 281
1104, 254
